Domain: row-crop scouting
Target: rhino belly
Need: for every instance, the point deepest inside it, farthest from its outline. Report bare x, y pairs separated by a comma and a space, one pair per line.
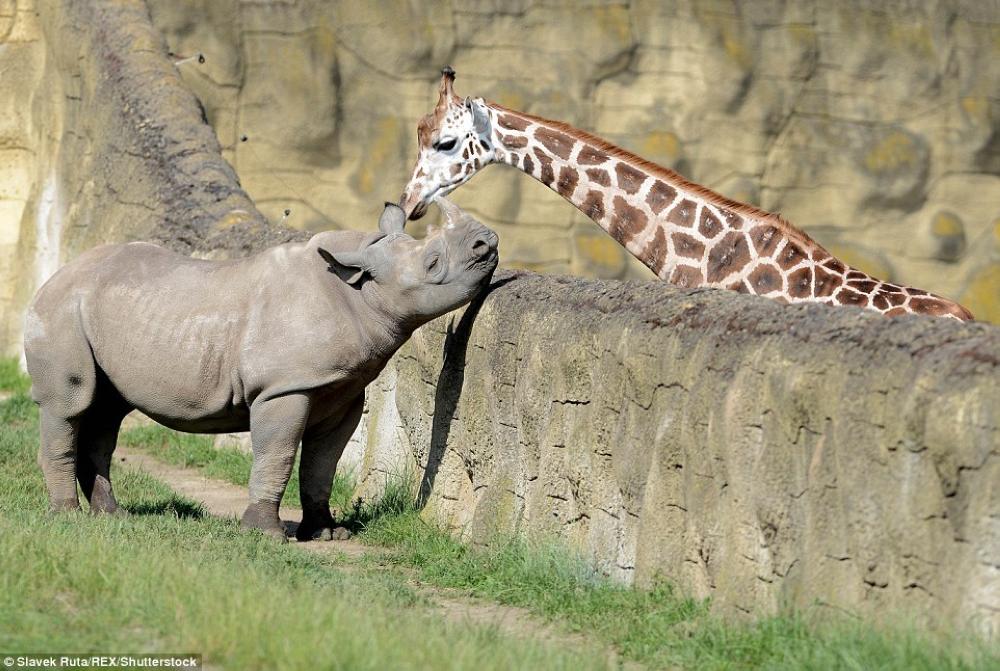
180, 367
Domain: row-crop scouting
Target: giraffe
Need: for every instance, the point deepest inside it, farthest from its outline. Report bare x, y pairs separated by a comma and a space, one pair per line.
686, 233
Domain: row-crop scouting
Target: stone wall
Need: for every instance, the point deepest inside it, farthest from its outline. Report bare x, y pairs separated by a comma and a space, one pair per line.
752, 453
874, 126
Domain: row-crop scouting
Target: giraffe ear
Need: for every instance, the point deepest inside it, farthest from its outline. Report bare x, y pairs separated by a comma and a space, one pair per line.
480, 120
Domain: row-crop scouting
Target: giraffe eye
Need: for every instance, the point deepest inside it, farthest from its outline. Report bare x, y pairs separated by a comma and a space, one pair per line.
446, 144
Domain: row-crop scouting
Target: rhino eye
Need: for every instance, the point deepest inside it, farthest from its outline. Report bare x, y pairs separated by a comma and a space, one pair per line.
432, 262
445, 145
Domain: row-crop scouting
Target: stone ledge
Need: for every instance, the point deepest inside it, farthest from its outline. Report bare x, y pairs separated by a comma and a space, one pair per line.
754, 453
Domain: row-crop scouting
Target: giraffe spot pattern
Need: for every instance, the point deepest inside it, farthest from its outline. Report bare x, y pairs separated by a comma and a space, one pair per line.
740, 287
894, 298
800, 283
655, 253
566, 184
929, 305
626, 221
848, 296
511, 122
733, 220
629, 179
514, 141
590, 156
529, 165
687, 276
879, 301
558, 143
791, 256
825, 283
682, 214
544, 160
689, 246
865, 286
730, 254
465, 152
599, 176
765, 278
896, 312
765, 239
593, 205
660, 195
835, 265
455, 169
709, 225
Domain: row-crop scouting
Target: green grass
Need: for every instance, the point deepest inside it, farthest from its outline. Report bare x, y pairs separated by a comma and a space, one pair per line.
167, 578
658, 627
99, 582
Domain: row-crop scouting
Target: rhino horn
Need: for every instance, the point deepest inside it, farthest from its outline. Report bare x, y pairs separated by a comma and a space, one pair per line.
393, 219
452, 212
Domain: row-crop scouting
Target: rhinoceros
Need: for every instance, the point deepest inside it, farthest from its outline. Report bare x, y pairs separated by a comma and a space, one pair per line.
281, 344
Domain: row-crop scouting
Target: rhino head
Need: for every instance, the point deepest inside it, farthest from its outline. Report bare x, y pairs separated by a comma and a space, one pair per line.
413, 280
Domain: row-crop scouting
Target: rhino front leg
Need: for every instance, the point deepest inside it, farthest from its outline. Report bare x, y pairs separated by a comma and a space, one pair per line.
322, 447
276, 427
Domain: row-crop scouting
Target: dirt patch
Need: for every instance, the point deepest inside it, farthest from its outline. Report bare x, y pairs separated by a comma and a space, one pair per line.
223, 499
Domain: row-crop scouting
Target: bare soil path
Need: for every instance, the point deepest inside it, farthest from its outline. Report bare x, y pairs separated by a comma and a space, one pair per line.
223, 499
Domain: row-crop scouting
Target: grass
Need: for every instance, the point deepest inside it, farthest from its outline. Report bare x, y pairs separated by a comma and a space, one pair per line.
84, 582
167, 578
658, 627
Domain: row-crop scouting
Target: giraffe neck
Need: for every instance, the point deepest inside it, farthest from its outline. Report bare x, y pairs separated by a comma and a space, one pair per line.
687, 234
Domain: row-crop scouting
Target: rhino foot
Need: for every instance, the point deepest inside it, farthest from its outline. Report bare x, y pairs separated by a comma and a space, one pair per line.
102, 499
64, 505
321, 530
263, 516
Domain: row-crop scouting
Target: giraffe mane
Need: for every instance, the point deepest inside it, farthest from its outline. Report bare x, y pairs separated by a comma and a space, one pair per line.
673, 177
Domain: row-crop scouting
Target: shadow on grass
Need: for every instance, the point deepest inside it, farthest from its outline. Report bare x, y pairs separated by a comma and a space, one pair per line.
173, 506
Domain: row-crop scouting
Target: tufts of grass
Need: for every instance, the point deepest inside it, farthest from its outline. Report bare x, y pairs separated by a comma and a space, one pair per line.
11, 377
659, 627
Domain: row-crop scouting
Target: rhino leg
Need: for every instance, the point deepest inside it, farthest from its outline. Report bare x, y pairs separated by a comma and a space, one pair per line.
322, 447
57, 457
98, 437
276, 427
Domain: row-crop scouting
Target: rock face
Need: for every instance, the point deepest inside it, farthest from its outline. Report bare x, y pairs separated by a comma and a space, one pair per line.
859, 122
752, 453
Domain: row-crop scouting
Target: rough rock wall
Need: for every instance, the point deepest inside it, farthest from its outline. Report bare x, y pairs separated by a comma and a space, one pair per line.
874, 126
748, 452
100, 141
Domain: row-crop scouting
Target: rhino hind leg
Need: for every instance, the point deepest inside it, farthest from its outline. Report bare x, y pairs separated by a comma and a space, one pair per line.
276, 427
98, 437
322, 448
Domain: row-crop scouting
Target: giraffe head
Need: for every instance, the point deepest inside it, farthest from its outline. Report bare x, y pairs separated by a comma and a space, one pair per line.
455, 140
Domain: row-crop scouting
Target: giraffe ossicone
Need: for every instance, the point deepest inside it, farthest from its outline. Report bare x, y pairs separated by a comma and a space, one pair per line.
685, 233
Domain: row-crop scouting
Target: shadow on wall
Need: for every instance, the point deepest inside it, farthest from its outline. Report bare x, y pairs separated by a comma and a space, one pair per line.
448, 390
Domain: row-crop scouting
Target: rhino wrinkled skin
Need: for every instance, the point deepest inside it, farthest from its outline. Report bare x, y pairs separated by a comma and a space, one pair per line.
281, 344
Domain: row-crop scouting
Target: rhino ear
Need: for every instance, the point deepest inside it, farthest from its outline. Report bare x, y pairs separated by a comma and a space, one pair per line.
345, 261
393, 219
